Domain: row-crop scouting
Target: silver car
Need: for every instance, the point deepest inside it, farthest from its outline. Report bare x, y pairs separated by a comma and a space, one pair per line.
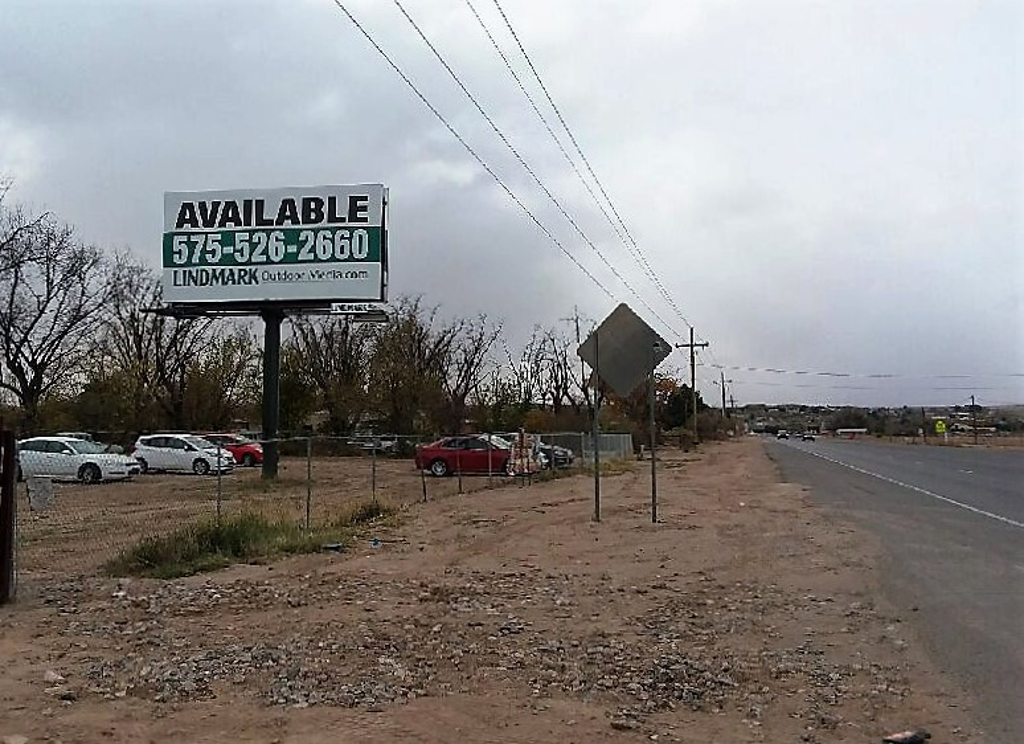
181, 453
68, 458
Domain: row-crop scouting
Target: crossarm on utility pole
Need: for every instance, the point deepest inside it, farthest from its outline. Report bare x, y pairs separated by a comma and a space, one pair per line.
692, 346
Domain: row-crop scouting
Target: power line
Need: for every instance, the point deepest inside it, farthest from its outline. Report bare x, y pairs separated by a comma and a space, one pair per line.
639, 254
822, 386
875, 376
633, 250
470, 150
526, 166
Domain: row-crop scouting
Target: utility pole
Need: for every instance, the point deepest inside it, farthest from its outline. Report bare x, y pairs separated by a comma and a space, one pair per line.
974, 419
723, 393
596, 410
654, 442
693, 375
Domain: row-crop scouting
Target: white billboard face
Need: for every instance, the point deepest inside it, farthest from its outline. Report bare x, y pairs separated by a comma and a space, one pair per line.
304, 245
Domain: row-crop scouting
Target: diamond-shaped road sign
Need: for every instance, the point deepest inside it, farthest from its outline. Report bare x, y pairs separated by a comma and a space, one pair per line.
623, 350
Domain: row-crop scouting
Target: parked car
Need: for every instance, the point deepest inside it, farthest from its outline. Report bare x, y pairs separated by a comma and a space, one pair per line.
551, 455
180, 452
68, 458
117, 449
782, 434
381, 442
807, 436
466, 454
244, 450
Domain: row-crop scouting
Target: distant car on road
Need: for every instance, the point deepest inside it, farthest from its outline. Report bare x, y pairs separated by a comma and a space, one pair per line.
465, 454
807, 436
68, 458
244, 450
181, 453
782, 434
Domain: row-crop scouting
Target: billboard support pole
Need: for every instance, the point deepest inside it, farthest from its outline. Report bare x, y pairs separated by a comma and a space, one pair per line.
272, 318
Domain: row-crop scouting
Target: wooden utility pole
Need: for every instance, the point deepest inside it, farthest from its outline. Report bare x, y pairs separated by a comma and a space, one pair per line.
723, 393
595, 410
974, 419
692, 346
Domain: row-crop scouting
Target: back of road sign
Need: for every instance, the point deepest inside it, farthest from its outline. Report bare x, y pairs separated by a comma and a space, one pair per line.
623, 350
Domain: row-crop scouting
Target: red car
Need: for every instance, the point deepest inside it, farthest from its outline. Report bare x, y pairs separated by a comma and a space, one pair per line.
465, 454
245, 451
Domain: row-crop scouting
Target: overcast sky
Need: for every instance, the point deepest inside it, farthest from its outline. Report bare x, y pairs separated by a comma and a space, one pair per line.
819, 186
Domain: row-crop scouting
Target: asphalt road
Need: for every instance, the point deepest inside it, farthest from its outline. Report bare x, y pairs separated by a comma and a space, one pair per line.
952, 521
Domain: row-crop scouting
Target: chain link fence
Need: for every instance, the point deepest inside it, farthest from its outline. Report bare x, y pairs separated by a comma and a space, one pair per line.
79, 505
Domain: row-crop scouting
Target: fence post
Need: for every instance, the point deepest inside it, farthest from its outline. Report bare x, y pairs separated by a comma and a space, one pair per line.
490, 463
8, 476
309, 480
220, 490
458, 467
373, 471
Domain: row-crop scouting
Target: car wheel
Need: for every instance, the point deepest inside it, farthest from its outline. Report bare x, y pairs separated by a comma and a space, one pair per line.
439, 468
249, 460
89, 473
143, 465
200, 466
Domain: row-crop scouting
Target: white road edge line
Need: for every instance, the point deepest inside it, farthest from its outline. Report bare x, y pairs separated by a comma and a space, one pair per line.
954, 502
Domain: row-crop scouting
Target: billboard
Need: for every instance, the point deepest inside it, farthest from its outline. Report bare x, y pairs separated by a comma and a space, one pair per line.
299, 245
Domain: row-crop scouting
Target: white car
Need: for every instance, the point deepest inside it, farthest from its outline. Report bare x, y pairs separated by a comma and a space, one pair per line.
182, 453
68, 458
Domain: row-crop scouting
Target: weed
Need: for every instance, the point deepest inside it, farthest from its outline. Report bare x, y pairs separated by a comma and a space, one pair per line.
246, 538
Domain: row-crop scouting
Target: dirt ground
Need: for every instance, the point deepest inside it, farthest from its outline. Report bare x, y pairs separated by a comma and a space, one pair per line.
90, 523
745, 615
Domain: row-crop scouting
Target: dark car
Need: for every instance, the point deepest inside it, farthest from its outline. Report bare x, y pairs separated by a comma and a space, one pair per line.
243, 450
464, 454
554, 455
807, 436
782, 434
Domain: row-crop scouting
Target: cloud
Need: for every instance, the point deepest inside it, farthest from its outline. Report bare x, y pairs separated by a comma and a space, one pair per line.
818, 186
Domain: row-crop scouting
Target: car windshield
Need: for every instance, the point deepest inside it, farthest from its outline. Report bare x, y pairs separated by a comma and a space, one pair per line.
500, 442
226, 439
83, 447
199, 442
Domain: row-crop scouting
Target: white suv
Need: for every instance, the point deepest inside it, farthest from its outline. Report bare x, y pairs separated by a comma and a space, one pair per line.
180, 452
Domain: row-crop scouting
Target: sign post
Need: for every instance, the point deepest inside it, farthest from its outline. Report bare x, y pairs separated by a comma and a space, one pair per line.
630, 352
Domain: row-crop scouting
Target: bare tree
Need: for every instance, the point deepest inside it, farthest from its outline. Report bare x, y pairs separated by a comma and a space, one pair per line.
332, 354
152, 355
52, 289
223, 379
469, 353
410, 362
